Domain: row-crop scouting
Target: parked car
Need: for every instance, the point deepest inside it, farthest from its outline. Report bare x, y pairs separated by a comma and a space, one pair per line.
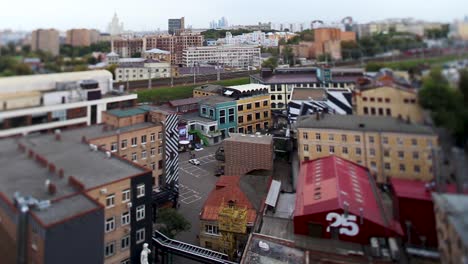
194, 162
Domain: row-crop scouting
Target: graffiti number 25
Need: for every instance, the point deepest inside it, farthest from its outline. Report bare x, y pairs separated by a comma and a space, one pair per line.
347, 225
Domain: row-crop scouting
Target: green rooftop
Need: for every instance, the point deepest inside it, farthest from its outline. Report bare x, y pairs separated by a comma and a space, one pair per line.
128, 112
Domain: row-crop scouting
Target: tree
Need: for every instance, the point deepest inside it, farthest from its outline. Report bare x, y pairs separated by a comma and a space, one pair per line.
463, 85
112, 68
288, 55
136, 55
170, 222
271, 63
324, 57
350, 50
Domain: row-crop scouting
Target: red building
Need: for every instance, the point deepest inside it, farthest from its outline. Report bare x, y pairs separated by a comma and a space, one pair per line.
339, 199
419, 225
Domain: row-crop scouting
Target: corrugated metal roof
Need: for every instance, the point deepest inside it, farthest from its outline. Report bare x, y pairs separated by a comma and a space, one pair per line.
273, 193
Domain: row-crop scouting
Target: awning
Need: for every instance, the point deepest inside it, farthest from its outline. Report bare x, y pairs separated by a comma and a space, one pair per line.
228, 92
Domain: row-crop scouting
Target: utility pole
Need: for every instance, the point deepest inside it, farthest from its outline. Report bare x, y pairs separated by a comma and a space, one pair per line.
149, 78
172, 75
218, 76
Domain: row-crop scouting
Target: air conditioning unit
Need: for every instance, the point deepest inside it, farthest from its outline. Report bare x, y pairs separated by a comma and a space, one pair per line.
129, 205
103, 191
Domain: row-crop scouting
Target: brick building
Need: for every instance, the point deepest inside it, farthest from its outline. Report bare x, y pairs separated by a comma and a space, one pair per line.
81, 37
45, 40
246, 153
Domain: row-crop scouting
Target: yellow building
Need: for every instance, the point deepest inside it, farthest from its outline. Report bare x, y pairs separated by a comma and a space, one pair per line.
207, 90
387, 146
253, 113
389, 100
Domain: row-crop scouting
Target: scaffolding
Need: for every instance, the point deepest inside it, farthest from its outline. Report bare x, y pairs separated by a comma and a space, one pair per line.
232, 220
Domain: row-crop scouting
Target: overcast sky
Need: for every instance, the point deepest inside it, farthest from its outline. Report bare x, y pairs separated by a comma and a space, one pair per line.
153, 14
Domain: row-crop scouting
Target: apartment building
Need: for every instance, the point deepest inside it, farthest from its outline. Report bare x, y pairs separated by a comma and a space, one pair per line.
176, 25
175, 44
384, 96
42, 103
451, 214
282, 81
82, 37
221, 109
242, 56
142, 69
157, 54
389, 147
81, 199
45, 40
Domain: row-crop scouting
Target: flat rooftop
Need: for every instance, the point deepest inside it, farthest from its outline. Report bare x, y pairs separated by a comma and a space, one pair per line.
259, 139
194, 116
211, 88
362, 123
248, 87
456, 208
216, 99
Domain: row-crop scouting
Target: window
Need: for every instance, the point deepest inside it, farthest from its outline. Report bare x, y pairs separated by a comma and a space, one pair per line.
306, 147
415, 155
358, 151
414, 142
279, 97
372, 152
373, 165
257, 104
125, 242
153, 137
345, 150
113, 146
240, 119
381, 111
140, 212
387, 166
125, 218
372, 110
140, 235
332, 149
159, 135
371, 139
305, 135
153, 165
143, 139
386, 153
387, 100
272, 88
203, 110
319, 148
317, 136
366, 110
257, 116
240, 108
249, 106
153, 152
389, 111
265, 114
372, 99
357, 138
159, 150
134, 141
417, 169
143, 154
134, 157
211, 229
110, 224
140, 190
110, 249
385, 140
273, 97
364, 99
110, 201
344, 138
401, 154
249, 118
265, 103
125, 195
400, 141
331, 137
402, 167
123, 144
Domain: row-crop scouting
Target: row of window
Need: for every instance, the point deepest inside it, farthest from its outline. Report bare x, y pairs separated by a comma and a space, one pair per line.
134, 141
387, 100
110, 199
357, 139
249, 129
249, 105
110, 248
110, 223
278, 87
373, 111
249, 117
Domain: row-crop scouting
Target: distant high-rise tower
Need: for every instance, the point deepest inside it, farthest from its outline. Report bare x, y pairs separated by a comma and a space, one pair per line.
45, 40
176, 25
115, 27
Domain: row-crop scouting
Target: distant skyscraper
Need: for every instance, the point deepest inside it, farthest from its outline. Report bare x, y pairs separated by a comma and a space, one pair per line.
176, 25
115, 26
45, 40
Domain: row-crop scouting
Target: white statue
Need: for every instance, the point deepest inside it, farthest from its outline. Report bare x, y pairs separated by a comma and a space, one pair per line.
144, 254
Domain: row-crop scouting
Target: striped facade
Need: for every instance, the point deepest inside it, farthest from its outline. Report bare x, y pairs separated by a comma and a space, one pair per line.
171, 137
337, 102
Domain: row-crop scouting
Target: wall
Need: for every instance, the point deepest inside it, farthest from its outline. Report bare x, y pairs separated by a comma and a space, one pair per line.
243, 157
255, 124
79, 240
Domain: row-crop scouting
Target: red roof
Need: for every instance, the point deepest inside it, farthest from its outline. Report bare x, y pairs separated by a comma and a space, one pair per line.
226, 189
418, 190
333, 183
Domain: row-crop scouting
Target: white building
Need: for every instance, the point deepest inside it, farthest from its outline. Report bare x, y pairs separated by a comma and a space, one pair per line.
156, 54
41, 103
254, 38
115, 26
229, 56
134, 69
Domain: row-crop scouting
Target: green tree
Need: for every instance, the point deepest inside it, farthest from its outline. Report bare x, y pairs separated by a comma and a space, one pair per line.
307, 35
324, 57
271, 63
170, 222
288, 55
22, 69
136, 55
350, 50
463, 85
112, 68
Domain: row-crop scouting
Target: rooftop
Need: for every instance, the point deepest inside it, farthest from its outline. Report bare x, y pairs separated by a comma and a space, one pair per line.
248, 87
216, 99
417, 190
194, 116
226, 189
333, 183
362, 123
185, 101
259, 139
309, 94
456, 208
157, 51
127, 112
211, 88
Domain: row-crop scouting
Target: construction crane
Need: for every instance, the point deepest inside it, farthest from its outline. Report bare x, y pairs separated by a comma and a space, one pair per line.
232, 221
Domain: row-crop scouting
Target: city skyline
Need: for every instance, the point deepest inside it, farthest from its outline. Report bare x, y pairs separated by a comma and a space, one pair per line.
198, 14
